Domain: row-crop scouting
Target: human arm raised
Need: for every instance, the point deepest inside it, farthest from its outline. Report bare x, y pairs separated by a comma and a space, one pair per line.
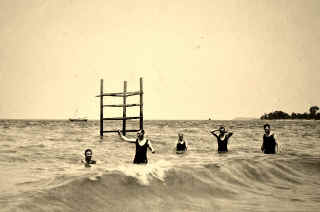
124, 138
213, 132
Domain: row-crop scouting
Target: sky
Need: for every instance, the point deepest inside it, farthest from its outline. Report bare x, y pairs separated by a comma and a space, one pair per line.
198, 59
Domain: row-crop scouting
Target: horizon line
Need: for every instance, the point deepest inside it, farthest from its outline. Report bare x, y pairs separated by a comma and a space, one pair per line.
170, 119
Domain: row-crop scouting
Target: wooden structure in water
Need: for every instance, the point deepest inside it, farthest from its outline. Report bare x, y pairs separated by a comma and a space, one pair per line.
124, 106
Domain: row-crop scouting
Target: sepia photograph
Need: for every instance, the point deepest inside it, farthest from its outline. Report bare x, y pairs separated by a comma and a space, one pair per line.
159, 105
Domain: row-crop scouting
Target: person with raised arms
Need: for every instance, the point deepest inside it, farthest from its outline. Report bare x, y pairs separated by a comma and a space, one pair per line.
222, 138
142, 145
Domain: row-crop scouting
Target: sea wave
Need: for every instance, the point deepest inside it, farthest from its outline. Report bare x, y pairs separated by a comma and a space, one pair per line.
41, 170
163, 187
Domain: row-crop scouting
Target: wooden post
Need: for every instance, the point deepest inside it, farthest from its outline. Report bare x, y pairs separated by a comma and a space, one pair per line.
101, 107
124, 107
141, 104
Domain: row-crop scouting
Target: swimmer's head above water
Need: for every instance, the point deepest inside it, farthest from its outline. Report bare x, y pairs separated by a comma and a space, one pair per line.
222, 130
266, 128
140, 134
180, 136
88, 155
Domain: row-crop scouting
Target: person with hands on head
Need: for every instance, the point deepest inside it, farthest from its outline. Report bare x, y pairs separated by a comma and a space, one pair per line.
142, 144
222, 138
182, 145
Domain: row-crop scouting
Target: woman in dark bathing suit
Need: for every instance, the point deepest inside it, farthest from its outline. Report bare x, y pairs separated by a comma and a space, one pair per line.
222, 138
142, 144
269, 144
182, 145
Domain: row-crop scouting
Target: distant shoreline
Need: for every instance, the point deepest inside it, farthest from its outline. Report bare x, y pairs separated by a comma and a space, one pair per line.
278, 114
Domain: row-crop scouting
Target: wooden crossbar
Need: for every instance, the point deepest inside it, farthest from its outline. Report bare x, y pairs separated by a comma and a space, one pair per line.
134, 93
122, 118
112, 131
121, 105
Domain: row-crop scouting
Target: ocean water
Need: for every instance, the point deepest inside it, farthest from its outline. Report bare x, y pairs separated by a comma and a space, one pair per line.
40, 168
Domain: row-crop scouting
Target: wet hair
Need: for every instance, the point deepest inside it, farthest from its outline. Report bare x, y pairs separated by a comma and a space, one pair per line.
222, 127
87, 150
142, 131
266, 125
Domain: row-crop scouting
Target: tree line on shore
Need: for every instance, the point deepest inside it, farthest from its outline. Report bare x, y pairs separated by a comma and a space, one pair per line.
313, 114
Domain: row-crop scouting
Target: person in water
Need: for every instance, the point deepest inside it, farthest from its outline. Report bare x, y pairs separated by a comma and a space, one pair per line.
269, 144
88, 157
142, 144
182, 145
222, 138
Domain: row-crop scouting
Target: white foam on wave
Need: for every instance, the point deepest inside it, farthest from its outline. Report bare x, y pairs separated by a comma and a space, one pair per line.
146, 172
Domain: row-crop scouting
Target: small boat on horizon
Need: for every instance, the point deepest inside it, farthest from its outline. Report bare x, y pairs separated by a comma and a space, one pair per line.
77, 117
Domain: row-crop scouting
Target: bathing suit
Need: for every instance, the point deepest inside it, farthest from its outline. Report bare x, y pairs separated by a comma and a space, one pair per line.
269, 144
89, 162
181, 146
223, 144
141, 153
